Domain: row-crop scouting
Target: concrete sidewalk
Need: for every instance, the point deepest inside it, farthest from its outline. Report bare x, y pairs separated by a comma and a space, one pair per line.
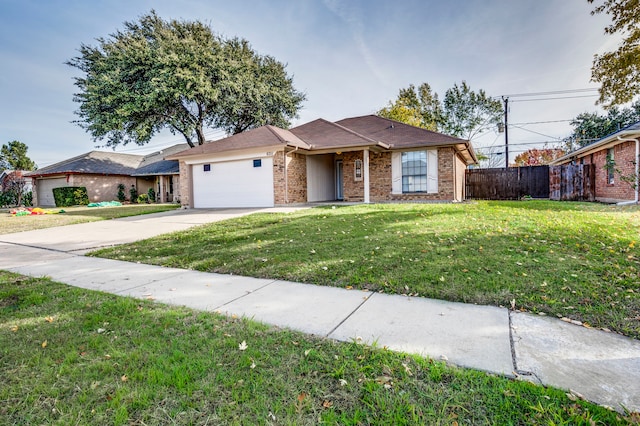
603, 367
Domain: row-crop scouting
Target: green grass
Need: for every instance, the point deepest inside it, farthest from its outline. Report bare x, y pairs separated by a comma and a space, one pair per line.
73, 356
10, 224
573, 260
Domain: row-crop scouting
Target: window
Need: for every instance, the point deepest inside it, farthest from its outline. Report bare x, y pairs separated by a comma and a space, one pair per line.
357, 170
257, 163
206, 168
414, 171
610, 166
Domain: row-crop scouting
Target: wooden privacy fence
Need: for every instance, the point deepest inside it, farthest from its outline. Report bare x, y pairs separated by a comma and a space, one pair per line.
572, 182
568, 183
507, 184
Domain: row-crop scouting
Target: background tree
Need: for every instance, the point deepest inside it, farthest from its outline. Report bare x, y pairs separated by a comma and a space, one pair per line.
13, 156
463, 113
618, 71
157, 74
466, 113
418, 107
591, 126
538, 157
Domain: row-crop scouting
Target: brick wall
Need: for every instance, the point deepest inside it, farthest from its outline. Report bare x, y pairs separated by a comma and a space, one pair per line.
184, 182
296, 181
380, 178
102, 188
623, 155
353, 190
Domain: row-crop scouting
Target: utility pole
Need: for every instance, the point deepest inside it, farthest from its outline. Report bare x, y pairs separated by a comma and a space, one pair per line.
506, 132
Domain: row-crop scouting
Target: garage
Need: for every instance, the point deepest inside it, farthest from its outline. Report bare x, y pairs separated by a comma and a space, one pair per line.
241, 183
44, 190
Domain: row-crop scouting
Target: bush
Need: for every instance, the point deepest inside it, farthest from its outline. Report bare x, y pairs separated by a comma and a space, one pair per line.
27, 199
133, 192
152, 196
121, 196
142, 198
70, 196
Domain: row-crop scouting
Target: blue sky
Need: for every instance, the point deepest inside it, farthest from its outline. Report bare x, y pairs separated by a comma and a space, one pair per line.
350, 57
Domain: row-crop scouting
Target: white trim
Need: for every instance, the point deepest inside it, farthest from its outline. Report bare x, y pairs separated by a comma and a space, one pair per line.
396, 172
432, 171
365, 154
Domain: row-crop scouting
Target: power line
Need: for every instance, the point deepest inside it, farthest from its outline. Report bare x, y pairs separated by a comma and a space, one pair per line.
554, 92
555, 98
542, 122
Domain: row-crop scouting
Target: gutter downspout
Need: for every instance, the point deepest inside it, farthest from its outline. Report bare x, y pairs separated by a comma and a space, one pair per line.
637, 160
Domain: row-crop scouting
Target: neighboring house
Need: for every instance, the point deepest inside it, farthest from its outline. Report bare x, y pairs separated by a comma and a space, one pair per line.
360, 159
616, 163
101, 172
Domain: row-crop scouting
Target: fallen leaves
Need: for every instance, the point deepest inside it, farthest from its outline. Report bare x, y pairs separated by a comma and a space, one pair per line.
243, 346
44, 344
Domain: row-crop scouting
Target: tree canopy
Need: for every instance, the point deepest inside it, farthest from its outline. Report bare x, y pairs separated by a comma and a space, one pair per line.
463, 112
156, 74
538, 157
13, 156
591, 126
618, 71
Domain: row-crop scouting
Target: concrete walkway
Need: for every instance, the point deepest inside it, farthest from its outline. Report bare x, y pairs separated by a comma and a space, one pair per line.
602, 367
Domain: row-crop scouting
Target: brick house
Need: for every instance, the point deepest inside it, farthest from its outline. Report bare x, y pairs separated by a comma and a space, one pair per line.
101, 173
361, 159
616, 163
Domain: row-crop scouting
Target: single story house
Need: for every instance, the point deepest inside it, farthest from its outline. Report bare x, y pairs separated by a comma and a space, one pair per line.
616, 159
101, 173
360, 159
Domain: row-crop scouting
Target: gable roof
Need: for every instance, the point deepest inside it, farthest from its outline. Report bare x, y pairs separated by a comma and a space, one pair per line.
632, 131
94, 162
323, 134
264, 136
369, 131
395, 133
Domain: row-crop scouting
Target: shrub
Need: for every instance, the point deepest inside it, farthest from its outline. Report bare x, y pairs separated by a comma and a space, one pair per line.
27, 199
152, 196
70, 196
143, 198
133, 192
121, 196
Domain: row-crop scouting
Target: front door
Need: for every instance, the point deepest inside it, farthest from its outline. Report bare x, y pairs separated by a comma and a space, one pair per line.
339, 181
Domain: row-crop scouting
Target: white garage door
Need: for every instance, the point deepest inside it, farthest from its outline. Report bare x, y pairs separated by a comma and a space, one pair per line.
242, 183
45, 190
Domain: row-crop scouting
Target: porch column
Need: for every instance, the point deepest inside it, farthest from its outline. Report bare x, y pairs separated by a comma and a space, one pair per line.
161, 188
365, 155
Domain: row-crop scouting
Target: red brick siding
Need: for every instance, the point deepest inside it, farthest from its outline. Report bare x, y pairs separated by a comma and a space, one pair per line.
624, 158
353, 190
296, 181
380, 179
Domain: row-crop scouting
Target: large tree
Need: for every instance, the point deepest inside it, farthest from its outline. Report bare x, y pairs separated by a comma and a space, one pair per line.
618, 71
156, 74
462, 113
591, 126
13, 156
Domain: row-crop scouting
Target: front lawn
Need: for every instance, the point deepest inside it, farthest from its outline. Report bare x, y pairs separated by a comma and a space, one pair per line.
70, 356
71, 215
573, 260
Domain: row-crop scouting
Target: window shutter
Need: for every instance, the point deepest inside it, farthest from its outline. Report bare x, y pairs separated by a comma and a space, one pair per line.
396, 173
432, 171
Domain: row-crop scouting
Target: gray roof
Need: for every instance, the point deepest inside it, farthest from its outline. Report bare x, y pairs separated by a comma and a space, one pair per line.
161, 167
113, 163
94, 162
632, 130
